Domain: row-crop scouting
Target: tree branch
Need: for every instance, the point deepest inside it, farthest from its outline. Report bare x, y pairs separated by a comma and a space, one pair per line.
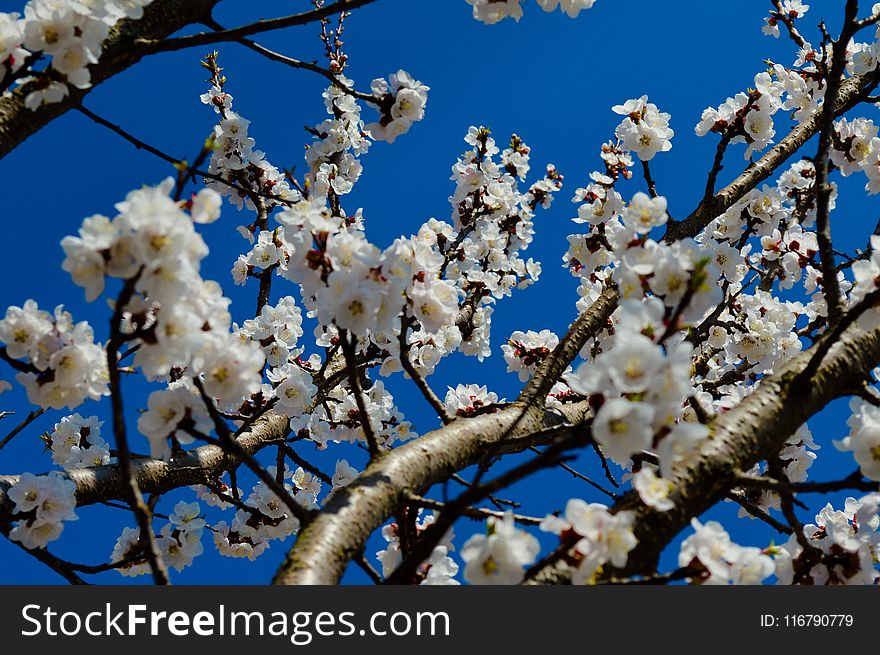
851, 93
120, 51
236, 33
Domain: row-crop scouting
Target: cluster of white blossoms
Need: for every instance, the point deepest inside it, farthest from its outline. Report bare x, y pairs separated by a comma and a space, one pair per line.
470, 400
789, 9
768, 338
715, 559
209, 495
339, 419
63, 366
266, 517
277, 329
246, 173
427, 281
863, 440
645, 129
438, 569
699, 322
343, 474
498, 557
401, 102
748, 117
524, 351
597, 537
178, 543
358, 288
640, 388
767, 234
866, 272
166, 410
180, 540
260, 518
179, 321
151, 240
795, 460
341, 139
69, 33
617, 244
600, 201
76, 443
853, 146
492, 226
800, 91
492, 11
845, 543
46, 502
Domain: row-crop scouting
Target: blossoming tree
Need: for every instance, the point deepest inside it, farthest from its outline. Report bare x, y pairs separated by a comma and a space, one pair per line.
699, 346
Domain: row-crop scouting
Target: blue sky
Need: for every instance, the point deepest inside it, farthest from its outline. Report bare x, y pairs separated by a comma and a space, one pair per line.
550, 79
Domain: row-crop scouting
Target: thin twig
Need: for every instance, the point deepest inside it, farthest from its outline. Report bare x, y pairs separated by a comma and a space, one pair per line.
580, 476
177, 163
854, 480
206, 38
754, 510
30, 418
649, 180
367, 568
477, 513
420, 382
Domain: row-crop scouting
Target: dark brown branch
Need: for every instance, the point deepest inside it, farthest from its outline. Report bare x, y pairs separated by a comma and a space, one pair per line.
228, 441
354, 378
854, 480
234, 34
367, 568
476, 513
830, 284
306, 465
581, 476
754, 510
30, 418
334, 78
135, 498
420, 382
42, 555
177, 163
198, 466
18, 365
717, 167
649, 179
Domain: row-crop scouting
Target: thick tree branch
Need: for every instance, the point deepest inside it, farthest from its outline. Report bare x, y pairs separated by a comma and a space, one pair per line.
753, 431
153, 476
161, 19
339, 532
